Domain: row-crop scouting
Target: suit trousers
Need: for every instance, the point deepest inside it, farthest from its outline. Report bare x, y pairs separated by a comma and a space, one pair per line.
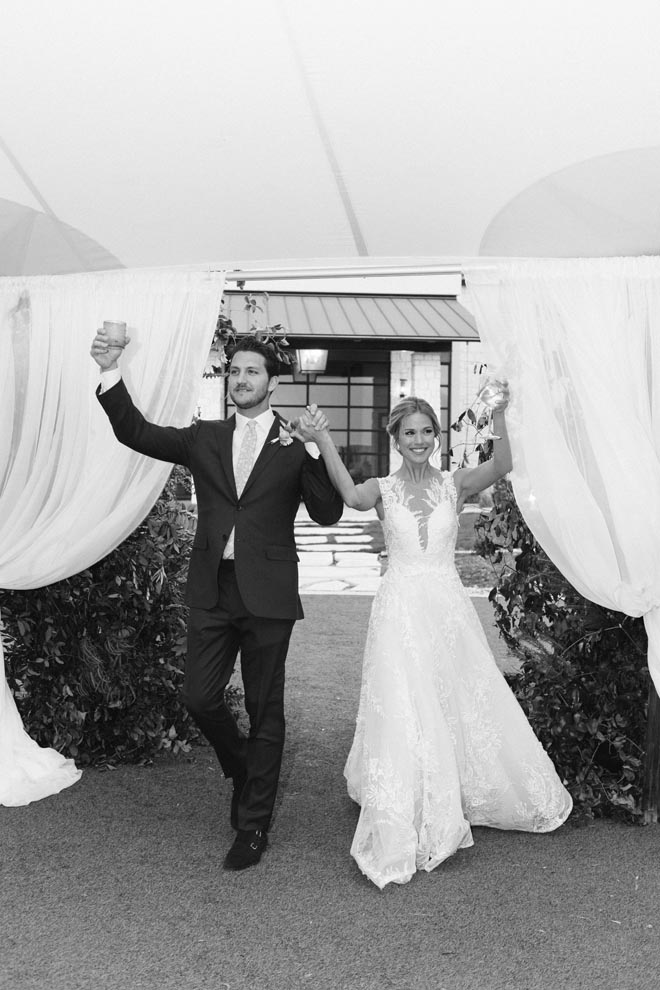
214, 638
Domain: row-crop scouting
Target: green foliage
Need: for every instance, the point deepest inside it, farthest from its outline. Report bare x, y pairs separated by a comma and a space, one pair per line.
95, 662
583, 682
475, 424
226, 336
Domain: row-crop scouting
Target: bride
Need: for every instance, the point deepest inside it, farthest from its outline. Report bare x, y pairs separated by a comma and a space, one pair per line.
441, 743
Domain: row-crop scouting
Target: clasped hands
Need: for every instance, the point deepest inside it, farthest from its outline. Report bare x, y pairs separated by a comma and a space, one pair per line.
308, 425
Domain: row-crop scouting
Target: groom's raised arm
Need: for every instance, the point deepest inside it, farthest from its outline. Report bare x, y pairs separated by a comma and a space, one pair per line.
165, 443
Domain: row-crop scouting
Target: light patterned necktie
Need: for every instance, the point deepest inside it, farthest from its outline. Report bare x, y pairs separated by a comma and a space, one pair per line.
246, 455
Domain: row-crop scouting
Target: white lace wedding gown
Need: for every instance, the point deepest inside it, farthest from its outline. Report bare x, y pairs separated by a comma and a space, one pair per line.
441, 743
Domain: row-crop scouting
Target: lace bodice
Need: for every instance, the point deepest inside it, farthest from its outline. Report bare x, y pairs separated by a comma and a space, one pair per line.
419, 525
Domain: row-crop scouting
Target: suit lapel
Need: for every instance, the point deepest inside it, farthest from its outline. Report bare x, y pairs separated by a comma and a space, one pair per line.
267, 452
225, 444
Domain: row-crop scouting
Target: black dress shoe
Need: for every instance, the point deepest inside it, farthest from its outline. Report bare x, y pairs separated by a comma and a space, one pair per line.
239, 784
246, 850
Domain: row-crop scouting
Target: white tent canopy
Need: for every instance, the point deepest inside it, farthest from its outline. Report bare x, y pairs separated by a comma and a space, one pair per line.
219, 133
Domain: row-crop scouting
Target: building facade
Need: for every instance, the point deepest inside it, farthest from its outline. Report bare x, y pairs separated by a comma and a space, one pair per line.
375, 349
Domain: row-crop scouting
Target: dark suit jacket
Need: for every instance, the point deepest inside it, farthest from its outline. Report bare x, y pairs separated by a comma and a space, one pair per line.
263, 517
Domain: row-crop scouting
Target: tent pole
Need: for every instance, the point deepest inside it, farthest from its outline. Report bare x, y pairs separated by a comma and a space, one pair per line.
358, 271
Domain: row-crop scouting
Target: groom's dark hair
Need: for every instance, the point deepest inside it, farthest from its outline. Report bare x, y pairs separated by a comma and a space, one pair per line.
250, 342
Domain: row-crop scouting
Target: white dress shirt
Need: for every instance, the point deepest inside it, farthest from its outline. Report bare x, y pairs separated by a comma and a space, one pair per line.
110, 378
263, 423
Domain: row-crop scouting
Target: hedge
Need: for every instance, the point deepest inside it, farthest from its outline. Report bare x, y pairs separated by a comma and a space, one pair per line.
95, 662
583, 681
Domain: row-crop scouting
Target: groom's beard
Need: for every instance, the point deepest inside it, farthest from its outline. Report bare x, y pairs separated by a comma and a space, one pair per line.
247, 397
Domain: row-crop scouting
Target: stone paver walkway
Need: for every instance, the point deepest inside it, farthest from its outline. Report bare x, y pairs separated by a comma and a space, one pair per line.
343, 559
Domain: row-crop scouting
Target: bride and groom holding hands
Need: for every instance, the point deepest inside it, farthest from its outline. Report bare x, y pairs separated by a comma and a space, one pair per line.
441, 743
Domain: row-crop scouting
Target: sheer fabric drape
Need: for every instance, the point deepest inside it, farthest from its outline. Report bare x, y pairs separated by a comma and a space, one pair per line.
69, 493
579, 341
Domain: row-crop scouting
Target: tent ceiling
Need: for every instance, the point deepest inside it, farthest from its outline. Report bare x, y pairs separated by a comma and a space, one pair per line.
362, 316
219, 133
607, 206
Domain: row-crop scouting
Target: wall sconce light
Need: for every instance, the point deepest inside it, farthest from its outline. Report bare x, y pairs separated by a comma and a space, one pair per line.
310, 362
404, 388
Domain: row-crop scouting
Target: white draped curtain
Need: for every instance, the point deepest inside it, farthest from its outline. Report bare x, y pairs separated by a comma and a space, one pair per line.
579, 341
69, 492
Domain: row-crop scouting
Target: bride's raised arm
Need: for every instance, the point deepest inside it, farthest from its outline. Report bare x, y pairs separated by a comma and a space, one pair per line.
313, 426
471, 481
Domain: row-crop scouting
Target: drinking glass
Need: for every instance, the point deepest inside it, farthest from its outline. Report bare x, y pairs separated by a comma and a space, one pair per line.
116, 332
490, 391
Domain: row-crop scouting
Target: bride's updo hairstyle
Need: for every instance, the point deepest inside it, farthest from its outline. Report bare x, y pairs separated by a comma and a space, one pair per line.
411, 404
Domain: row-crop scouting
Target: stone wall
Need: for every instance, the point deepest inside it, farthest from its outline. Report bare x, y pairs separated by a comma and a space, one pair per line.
211, 398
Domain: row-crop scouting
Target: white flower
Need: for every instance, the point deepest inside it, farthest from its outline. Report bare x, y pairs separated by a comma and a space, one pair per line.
284, 438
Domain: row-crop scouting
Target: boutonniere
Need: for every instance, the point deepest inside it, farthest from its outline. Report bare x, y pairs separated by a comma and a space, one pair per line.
284, 438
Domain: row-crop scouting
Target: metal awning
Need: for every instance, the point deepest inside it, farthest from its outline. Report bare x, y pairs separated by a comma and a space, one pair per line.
355, 316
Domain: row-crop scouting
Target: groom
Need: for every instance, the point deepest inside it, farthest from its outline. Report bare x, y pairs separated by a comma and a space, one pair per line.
242, 589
